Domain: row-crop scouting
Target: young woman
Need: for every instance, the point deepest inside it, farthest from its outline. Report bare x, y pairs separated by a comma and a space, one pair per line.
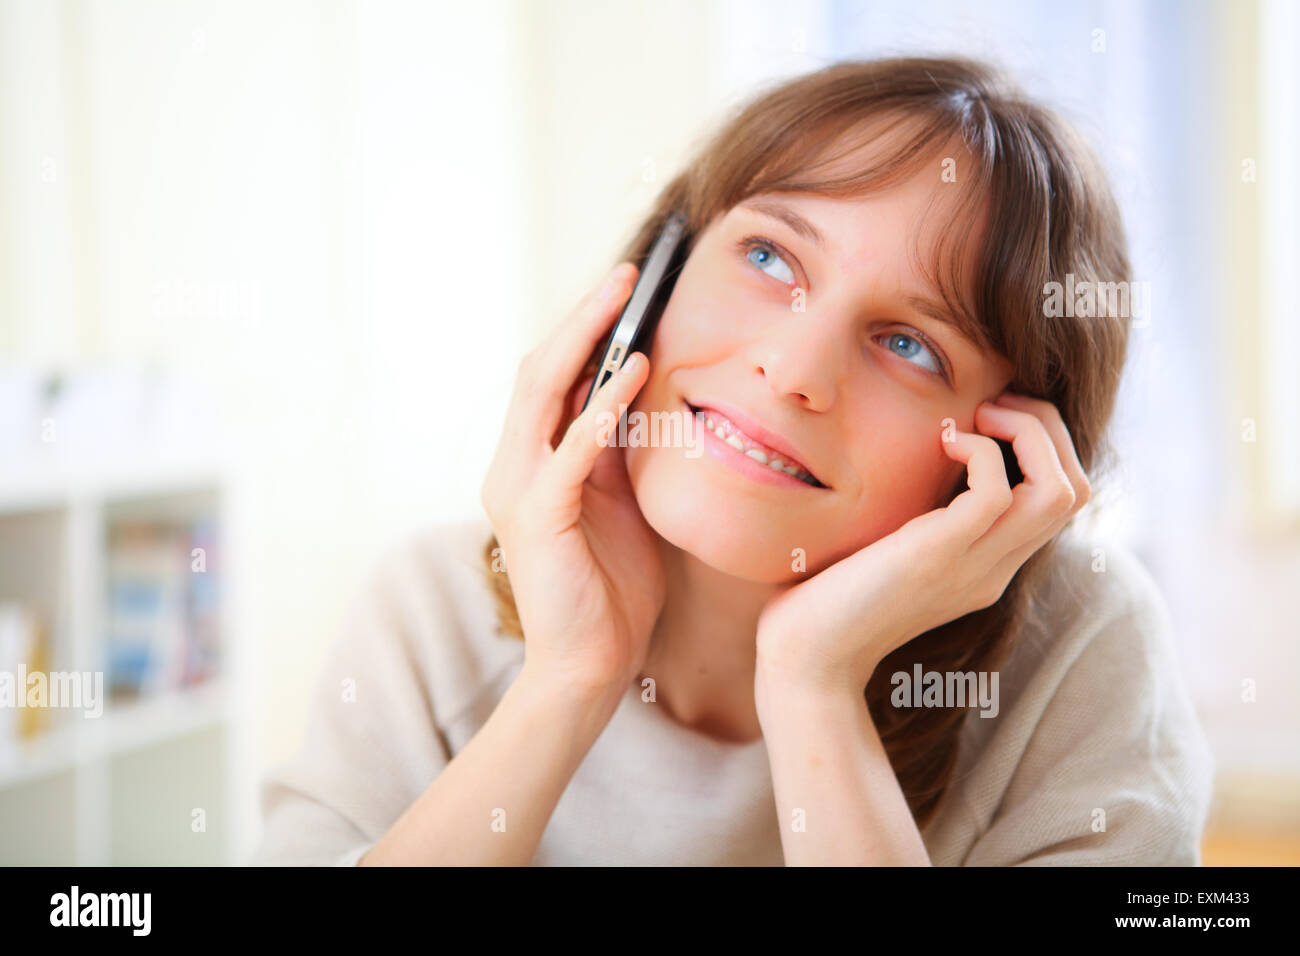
750, 655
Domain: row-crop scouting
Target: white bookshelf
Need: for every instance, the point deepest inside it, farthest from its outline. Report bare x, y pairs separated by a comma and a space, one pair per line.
120, 789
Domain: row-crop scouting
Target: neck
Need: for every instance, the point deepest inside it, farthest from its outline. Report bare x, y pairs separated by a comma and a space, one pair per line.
702, 649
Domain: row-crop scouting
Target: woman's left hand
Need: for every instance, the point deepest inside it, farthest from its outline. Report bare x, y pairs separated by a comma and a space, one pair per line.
831, 631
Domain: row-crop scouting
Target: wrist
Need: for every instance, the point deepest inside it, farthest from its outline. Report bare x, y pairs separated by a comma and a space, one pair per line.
785, 701
807, 673
550, 691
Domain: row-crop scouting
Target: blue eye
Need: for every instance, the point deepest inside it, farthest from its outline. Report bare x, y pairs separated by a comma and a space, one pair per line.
762, 255
915, 348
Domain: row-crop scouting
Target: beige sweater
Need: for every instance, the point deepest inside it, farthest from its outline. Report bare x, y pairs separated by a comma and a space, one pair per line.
1093, 719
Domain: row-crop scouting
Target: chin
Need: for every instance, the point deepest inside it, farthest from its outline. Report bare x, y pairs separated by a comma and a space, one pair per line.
731, 532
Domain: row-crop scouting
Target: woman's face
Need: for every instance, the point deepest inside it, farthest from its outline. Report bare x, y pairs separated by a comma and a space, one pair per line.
856, 386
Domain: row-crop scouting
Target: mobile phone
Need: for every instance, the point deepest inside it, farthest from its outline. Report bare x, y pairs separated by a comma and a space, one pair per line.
654, 286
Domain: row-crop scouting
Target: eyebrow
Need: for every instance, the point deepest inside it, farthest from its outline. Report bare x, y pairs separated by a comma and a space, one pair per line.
930, 308
780, 211
963, 327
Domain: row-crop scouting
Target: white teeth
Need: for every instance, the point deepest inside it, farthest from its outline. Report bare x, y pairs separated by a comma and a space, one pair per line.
719, 427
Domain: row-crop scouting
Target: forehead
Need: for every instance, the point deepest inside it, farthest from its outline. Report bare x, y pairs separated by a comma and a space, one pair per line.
903, 226
920, 206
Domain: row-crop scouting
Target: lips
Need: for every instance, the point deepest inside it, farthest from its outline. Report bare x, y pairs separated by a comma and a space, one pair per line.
759, 443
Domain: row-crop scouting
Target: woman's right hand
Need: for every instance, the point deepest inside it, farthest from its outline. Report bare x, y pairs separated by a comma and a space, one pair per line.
584, 565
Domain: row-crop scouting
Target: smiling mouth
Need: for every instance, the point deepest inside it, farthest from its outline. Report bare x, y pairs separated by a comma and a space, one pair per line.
730, 433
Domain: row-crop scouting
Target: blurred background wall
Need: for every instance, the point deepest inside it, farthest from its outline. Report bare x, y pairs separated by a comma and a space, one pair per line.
269, 268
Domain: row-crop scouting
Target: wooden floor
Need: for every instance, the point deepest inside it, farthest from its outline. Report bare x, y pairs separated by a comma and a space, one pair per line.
1228, 848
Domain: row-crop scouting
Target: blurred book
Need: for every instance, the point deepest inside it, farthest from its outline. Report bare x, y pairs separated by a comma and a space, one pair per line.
203, 647
23, 651
162, 579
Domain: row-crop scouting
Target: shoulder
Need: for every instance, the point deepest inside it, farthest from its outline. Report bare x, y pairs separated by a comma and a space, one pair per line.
1098, 617
428, 596
440, 562
416, 651
1097, 755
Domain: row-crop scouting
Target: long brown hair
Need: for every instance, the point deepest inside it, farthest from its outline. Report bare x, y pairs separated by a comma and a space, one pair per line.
1050, 213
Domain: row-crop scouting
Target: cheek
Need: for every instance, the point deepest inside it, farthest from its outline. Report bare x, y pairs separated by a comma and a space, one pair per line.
673, 337
901, 470
692, 333
697, 326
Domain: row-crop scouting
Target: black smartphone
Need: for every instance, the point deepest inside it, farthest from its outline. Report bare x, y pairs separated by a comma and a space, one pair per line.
654, 286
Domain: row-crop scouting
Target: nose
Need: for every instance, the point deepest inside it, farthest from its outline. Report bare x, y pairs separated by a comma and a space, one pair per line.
805, 360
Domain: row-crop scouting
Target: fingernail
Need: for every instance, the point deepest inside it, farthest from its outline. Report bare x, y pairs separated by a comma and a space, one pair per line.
632, 364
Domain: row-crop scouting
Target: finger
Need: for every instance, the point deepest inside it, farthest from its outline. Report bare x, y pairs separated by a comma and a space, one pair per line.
1050, 416
1006, 568
609, 473
590, 434
1045, 497
988, 496
519, 453
573, 407
560, 359
566, 352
